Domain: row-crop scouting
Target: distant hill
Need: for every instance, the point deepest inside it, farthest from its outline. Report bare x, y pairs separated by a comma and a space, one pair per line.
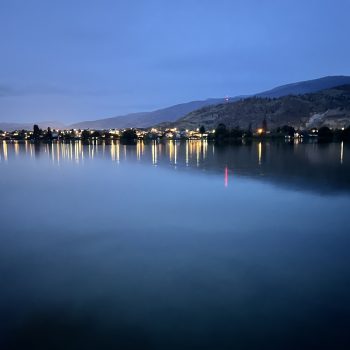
29, 126
329, 107
171, 114
305, 87
146, 119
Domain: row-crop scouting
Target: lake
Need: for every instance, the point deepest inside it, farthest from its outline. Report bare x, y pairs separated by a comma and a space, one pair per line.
175, 246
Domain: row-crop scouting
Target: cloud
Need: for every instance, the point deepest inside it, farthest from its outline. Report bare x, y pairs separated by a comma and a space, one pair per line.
11, 90
8, 90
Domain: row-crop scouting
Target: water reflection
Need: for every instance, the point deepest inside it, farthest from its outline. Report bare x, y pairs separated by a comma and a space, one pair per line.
226, 177
154, 153
320, 167
259, 152
4, 150
154, 246
341, 152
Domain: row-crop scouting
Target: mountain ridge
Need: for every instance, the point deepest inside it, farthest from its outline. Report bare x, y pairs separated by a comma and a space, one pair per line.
173, 113
329, 107
11, 126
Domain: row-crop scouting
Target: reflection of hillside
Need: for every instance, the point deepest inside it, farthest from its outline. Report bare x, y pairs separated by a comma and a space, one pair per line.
322, 168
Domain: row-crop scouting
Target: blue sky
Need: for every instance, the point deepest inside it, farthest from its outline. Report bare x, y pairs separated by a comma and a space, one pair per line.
80, 60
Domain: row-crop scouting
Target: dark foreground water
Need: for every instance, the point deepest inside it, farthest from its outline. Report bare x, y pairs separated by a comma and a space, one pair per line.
175, 246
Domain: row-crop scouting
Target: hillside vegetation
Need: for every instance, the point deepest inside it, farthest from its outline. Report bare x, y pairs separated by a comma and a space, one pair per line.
173, 113
325, 108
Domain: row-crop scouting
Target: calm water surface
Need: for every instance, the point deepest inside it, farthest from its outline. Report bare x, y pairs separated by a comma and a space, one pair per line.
175, 246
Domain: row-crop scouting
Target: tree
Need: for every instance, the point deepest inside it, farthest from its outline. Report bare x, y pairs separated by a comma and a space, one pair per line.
325, 134
250, 129
221, 132
202, 130
72, 134
85, 135
49, 134
36, 132
287, 130
264, 125
129, 136
22, 134
236, 133
106, 135
249, 132
68, 135
346, 134
96, 134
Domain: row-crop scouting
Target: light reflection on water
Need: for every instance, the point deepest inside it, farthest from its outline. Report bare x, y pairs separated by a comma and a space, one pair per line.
175, 245
320, 167
57, 151
193, 149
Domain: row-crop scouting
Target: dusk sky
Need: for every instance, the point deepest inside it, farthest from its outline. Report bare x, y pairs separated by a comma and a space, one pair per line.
79, 60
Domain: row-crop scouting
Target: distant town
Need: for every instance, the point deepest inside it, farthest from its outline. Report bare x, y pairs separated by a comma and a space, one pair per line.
221, 134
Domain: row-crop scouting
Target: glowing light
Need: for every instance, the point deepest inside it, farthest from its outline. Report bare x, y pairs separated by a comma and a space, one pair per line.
260, 131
